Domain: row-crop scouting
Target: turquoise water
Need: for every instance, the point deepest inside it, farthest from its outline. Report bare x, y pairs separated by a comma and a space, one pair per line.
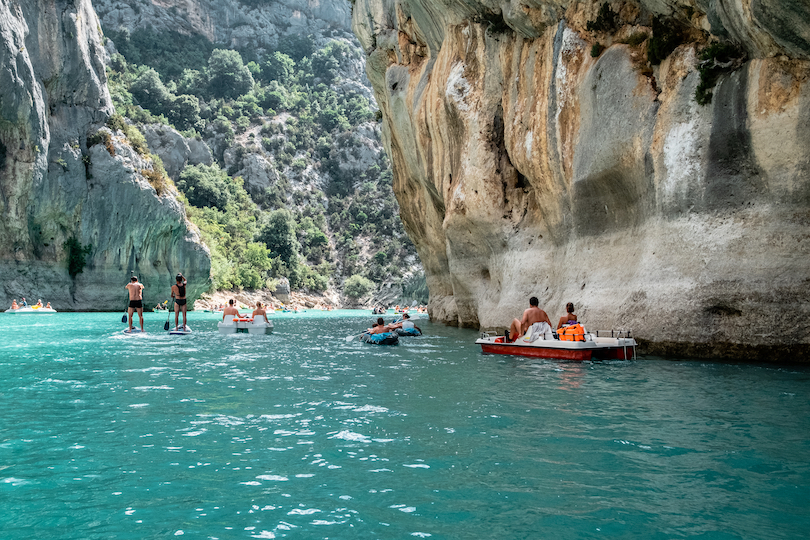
302, 434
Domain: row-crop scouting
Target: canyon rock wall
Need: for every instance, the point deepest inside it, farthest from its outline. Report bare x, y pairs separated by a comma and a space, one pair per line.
54, 188
241, 24
527, 163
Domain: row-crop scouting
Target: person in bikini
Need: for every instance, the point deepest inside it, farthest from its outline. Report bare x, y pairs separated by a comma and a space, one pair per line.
179, 295
230, 310
569, 317
260, 312
532, 315
135, 300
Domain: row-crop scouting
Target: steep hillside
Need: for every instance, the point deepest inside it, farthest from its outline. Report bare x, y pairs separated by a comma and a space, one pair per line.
264, 119
77, 217
647, 161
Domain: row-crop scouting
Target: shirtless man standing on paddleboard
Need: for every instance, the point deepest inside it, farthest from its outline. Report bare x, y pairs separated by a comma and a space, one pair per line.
135, 300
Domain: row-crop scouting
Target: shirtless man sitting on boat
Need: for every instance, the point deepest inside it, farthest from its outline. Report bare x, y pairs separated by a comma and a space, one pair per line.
230, 310
378, 327
532, 315
14, 304
260, 312
135, 299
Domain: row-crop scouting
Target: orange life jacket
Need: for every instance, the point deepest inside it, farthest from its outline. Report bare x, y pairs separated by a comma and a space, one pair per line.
572, 332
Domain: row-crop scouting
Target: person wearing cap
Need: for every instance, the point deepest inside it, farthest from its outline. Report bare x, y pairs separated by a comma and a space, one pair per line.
179, 295
135, 299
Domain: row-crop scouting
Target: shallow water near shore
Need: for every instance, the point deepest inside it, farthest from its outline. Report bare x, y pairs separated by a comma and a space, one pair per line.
302, 434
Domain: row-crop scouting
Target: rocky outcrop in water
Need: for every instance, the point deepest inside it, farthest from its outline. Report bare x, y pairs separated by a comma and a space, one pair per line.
75, 220
529, 162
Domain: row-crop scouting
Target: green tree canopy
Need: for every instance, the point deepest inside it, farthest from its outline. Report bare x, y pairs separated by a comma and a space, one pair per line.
357, 286
278, 67
228, 76
278, 234
205, 186
150, 91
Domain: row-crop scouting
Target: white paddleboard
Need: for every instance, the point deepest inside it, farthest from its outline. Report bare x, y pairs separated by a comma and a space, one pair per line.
133, 331
180, 331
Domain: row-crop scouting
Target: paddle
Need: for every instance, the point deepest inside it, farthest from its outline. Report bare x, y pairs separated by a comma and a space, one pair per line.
349, 338
166, 326
126, 312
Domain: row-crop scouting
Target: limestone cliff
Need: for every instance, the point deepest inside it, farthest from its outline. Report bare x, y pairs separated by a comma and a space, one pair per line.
529, 162
55, 190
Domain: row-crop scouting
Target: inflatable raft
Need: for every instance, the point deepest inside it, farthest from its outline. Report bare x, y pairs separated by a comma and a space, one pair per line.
387, 338
408, 332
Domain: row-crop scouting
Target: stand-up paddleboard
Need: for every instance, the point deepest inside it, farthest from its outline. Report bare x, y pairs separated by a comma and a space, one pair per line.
180, 331
134, 330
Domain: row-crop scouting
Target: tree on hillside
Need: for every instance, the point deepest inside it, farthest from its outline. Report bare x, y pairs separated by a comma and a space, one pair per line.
278, 67
228, 76
205, 186
278, 234
150, 91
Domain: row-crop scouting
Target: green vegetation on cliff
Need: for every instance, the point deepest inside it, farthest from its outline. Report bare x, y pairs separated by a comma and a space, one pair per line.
328, 212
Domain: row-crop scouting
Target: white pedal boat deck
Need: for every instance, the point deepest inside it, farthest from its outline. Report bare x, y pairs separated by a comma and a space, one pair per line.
244, 327
32, 309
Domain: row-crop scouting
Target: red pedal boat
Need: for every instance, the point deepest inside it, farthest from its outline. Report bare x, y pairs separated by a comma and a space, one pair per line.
612, 345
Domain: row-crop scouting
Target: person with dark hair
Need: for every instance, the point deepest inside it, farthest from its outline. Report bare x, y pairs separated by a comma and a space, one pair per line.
569, 317
135, 299
378, 327
179, 295
230, 310
532, 315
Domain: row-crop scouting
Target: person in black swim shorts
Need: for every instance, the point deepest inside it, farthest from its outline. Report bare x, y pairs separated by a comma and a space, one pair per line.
135, 299
179, 295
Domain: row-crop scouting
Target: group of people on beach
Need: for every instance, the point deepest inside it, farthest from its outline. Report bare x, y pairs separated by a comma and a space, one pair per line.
23, 304
135, 289
536, 315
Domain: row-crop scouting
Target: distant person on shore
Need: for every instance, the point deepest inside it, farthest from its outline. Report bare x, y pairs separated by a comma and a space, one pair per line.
230, 310
569, 317
179, 295
532, 315
135, 299
260, 312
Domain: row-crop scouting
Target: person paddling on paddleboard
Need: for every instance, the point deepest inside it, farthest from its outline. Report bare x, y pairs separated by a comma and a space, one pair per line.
135, 299
179, 295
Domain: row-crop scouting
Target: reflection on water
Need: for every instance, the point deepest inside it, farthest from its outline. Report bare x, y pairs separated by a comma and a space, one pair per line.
302, 434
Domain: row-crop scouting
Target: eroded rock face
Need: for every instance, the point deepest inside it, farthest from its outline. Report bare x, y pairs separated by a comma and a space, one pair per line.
53, 95
235, 23
526, 166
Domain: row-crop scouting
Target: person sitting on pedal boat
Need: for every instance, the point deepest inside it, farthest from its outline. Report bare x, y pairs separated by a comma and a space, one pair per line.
532, 315
569, 317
